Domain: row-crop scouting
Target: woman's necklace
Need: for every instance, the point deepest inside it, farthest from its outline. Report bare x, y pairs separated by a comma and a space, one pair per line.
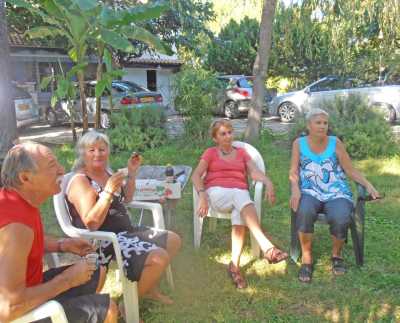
224, 153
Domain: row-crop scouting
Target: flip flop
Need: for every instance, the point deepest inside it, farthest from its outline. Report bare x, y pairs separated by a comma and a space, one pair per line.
305, 273
237, 278
338, 266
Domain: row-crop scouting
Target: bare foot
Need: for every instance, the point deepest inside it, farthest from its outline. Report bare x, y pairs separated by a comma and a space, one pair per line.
156, 295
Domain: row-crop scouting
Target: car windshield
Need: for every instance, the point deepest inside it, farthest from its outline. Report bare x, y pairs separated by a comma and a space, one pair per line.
244, 83
131, 87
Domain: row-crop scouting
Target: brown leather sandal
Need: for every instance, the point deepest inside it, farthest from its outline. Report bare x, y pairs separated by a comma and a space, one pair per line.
274, 255
237, 278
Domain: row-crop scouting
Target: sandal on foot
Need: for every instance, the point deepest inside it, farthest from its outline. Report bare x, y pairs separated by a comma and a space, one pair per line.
237, 278
305, 273
338, 266
274, 255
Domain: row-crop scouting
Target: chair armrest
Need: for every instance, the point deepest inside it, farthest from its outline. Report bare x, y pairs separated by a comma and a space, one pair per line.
100, 235
362, 193
156, 210
48, 309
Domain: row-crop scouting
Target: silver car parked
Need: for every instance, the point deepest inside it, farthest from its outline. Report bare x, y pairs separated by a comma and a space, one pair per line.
125, 94
26, 110
290, 105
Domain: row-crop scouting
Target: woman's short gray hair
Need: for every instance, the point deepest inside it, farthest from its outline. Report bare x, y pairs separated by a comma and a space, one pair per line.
86, 140
17, 160
315, 112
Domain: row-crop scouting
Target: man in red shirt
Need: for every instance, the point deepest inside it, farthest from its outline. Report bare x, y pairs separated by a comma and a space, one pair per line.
30, 175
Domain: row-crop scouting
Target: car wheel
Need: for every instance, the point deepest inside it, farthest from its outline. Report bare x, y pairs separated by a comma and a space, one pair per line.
51, 117
389, 114
231, 109
287, 112
105, 121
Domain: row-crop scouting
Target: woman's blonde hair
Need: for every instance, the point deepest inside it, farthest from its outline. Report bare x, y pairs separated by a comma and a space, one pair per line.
86, 140
218, 124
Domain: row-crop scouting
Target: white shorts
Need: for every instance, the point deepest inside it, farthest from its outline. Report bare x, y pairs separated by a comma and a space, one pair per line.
231, 200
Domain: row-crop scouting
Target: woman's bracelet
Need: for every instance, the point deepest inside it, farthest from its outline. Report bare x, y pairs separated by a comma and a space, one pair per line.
106, 195
201, 190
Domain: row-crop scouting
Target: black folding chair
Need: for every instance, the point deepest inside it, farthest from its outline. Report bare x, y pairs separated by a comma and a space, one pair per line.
356, 228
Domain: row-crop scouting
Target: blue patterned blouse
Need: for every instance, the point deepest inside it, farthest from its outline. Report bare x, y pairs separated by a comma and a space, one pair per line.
321, 175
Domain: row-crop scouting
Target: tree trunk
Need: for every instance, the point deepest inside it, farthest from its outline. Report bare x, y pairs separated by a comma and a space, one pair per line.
81, 80
99, 76
8, 124
260, 69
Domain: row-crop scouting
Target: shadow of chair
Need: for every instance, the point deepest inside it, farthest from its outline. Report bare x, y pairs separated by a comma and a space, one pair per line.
213, 215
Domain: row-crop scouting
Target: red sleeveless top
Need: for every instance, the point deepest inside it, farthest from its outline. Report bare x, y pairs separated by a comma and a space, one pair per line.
14, 209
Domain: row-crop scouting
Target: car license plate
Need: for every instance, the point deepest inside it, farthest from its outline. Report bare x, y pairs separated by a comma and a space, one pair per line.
23, 107
147, 99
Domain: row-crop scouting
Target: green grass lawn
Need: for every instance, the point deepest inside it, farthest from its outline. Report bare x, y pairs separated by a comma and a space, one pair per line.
205, 294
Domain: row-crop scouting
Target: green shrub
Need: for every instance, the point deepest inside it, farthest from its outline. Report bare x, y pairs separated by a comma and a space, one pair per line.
363, 129
195, 98
137, 129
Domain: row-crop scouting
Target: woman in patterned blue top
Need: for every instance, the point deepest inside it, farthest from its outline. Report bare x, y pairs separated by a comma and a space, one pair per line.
318, 176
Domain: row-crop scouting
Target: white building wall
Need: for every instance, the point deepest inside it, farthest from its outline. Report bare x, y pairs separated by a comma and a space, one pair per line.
164, 86
137, 75
164, 81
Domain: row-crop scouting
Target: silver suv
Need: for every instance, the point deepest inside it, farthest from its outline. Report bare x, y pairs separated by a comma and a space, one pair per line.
290, 105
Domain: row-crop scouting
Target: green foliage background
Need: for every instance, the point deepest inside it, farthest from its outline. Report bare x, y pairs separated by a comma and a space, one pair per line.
137, 130
196, 91
362, 128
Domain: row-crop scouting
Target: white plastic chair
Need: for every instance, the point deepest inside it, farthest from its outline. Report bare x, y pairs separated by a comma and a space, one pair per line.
258, 189
130, 293
51, 309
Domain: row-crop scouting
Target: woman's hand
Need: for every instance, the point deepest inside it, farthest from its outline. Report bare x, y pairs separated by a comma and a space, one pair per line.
295, 199
114, 183
203, 205
372, 192
270, 193
134, 163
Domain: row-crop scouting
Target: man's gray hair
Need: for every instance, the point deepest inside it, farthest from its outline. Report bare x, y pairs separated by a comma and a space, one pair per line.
315, 112
18, 159
86, 140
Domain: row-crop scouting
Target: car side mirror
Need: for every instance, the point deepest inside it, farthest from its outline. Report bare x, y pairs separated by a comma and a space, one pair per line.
307, 91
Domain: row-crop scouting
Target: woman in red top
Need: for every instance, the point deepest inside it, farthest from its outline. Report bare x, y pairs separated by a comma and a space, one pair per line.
225, 188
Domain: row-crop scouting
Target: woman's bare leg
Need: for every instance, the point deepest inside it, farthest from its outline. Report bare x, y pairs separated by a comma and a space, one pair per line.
238, 239
249, 215
102, 279
174, 243
154, 267
306, 247
112, 313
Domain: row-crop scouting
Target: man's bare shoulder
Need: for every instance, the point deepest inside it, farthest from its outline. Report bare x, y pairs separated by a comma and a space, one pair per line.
8, 240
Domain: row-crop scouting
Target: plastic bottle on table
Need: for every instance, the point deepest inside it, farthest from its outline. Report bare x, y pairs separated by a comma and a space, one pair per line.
169, 174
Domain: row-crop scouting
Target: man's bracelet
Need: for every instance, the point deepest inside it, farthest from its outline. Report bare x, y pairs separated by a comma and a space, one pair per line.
59, 245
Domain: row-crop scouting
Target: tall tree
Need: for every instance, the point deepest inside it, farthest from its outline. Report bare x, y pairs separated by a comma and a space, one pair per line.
8, 126
260, 71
